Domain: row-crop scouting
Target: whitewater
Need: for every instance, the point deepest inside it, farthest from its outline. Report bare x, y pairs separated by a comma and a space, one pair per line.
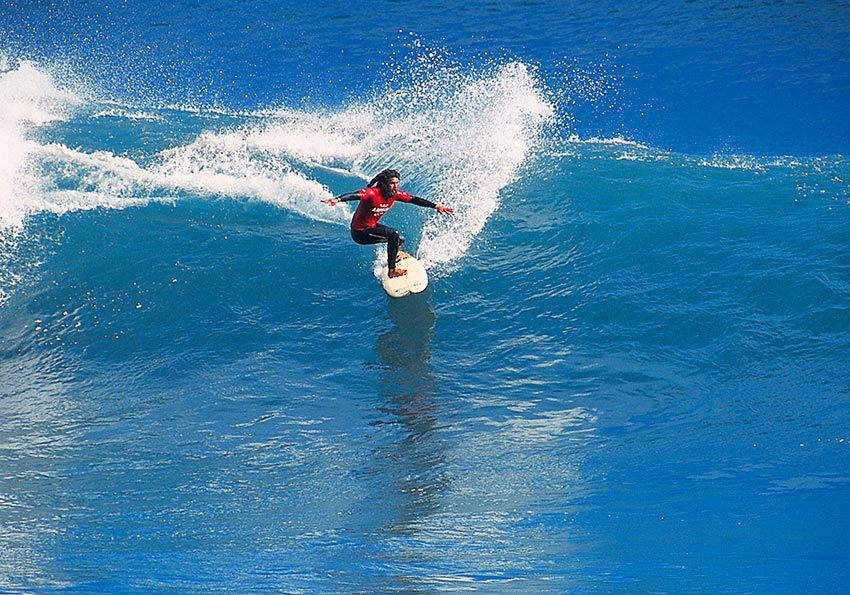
478, 126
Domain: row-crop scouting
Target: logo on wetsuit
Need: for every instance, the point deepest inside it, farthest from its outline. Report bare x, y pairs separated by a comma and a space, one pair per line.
379, 210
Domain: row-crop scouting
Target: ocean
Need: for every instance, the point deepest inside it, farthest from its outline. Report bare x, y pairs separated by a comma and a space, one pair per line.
630, 371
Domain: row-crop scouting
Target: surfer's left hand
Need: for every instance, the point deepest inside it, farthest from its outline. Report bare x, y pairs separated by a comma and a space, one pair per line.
443, 210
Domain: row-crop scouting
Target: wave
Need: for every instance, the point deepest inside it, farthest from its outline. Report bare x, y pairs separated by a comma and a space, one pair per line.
459, 137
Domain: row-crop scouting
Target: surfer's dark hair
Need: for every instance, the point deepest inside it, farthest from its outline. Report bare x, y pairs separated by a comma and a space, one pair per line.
382, 180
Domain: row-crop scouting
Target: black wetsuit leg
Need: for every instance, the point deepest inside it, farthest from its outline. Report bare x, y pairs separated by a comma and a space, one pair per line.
378, 235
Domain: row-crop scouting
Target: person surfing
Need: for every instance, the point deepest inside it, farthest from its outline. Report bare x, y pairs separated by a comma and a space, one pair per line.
375, 200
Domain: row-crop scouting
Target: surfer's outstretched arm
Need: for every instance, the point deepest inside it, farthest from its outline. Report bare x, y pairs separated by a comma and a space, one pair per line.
348, 196
424, 202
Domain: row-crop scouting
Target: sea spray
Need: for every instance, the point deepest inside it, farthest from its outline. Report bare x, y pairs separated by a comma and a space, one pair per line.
242, 163
458, 135
38, 176
458, 138
495, 122
28, 98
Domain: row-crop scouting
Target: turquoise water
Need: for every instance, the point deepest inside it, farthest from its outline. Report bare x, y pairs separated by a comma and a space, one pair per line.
629, 373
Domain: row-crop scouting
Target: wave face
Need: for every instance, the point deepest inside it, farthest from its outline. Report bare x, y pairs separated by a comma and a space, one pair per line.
630, 367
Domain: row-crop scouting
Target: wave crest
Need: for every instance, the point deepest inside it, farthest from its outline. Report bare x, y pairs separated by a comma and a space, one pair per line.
458, 136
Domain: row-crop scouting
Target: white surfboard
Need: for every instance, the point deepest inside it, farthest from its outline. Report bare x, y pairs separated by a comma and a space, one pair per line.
415, 281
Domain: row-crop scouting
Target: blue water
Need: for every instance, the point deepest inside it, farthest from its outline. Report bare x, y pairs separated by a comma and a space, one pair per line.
630, 372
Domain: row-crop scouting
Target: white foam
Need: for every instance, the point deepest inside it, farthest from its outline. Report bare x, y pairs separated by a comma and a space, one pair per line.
458, 137
105, 180
315, 137
749, 162
28, 95
28, 98
614, 141
481, 137
232, 164
245, 163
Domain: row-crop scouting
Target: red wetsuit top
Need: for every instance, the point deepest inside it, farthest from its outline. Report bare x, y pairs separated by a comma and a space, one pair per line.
373, 205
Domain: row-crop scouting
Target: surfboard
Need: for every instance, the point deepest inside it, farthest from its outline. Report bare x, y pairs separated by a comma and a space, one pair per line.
415, 281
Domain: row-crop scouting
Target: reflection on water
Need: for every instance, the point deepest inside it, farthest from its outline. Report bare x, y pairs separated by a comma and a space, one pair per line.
490, 478
405, 350
416, 458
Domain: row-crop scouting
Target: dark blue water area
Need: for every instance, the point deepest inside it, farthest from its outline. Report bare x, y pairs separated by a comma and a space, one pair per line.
704, 77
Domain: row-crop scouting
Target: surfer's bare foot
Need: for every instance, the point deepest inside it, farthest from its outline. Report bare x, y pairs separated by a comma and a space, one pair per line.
396, 273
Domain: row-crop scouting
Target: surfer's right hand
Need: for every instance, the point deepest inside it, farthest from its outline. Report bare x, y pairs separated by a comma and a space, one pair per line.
333, 201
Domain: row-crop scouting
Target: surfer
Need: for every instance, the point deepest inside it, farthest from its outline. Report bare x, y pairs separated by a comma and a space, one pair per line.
375, 200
